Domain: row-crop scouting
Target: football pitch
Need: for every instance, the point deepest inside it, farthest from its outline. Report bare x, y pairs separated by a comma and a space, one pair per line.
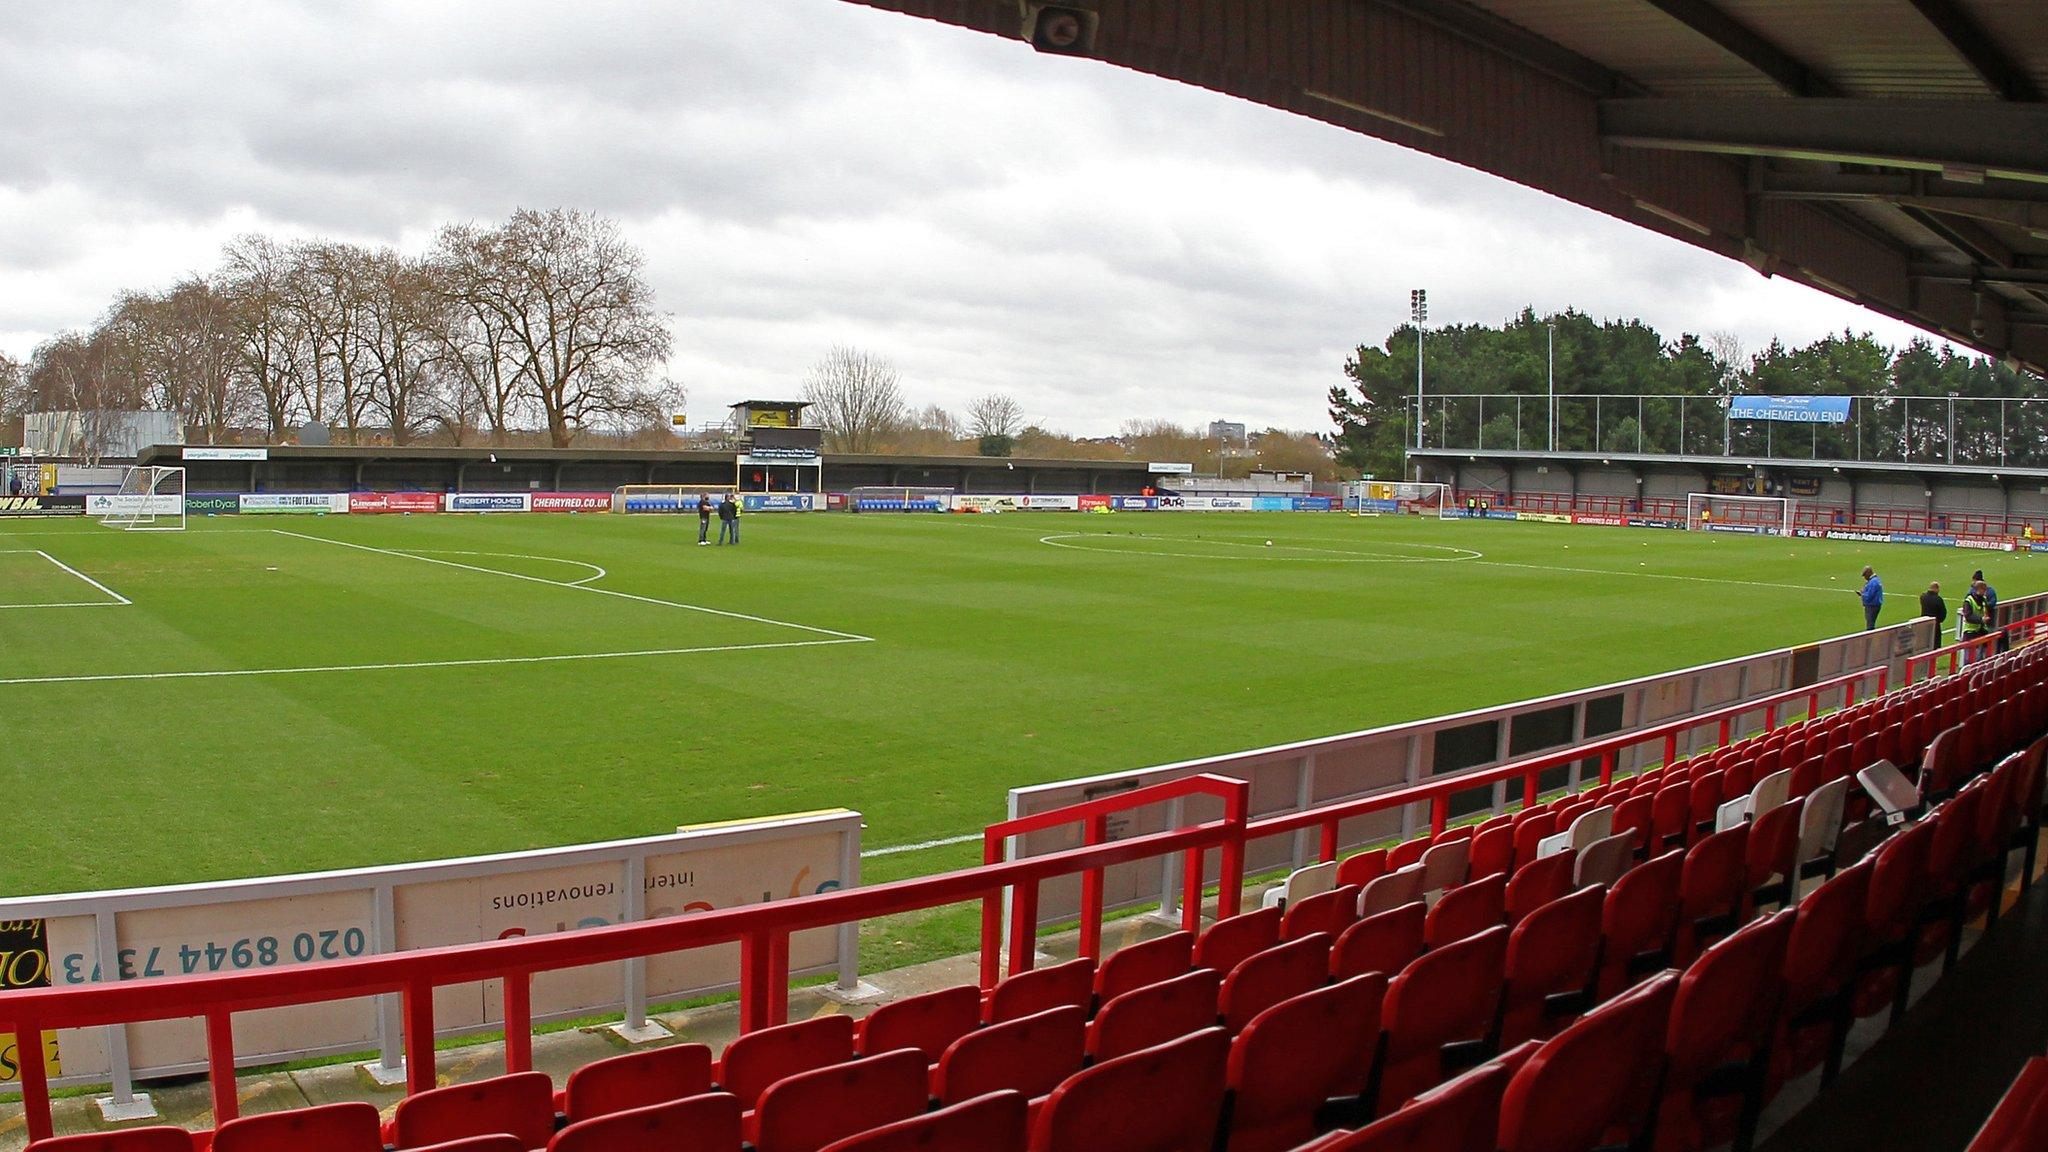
264, 695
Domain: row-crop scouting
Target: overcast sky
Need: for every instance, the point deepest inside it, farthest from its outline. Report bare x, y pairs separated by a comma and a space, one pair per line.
1101, 244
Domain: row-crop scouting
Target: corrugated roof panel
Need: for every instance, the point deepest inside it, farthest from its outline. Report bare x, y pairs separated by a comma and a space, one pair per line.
1865, 47
2019, 28
1639, 42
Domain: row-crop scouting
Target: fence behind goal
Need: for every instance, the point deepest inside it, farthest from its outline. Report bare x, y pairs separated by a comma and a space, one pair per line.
1762, 515
898, 499
671, 498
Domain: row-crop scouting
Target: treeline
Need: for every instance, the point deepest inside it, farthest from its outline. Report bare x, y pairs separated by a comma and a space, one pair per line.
540, 328
1373, 411
857, 398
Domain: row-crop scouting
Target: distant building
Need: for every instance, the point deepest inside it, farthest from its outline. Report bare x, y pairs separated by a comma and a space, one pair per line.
1226, 432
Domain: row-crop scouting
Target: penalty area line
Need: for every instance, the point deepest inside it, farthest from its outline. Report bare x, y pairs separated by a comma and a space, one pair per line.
480, 662
841, 636
922, 845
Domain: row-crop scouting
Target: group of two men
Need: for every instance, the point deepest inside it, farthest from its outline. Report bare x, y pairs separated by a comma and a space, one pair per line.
1975, 614
728, 519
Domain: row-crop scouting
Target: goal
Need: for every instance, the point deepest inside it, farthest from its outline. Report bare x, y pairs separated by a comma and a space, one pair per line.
673, 498
151, 499
1378, 498
893, 499
1757, 515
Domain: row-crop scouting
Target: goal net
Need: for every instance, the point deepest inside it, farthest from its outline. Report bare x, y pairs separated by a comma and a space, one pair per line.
673, 498
1758, 515
892, 499
151, 499
1388, 498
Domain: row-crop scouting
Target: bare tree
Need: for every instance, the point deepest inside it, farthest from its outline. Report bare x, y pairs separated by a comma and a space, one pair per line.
182, 349
13, 388
570, 294
404, 321
487, 374
995, 415
84, 373
856, 396
1726, 349
254, 280
329, 287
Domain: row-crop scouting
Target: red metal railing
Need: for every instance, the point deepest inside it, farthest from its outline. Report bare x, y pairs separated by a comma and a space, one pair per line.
1806, 513
1094, 815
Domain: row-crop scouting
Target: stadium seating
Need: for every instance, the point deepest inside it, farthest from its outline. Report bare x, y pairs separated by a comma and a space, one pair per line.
807, 1111
1164, 1099
1724, 1013
1637, 921
707, 1122
492, 1142
1459, 1115
1465, 911
350, 1127
1144, 963
1594, 1084
1152, 1015
992, 1123
1438, 1015
1279, 973
929, 1023
157, 1138
1297, 1055
758, 1060
2020, 1122
1030, 1055
637, 1079
1381, 943
520, 1104
1326, 912
1230, 940
1552, 961
1029, 993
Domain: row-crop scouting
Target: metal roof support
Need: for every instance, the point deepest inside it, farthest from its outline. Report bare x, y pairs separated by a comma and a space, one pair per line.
1996, 139
1739, 41
1985, 57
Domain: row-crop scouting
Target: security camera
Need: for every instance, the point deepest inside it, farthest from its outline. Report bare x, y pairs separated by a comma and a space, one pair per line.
1061, 29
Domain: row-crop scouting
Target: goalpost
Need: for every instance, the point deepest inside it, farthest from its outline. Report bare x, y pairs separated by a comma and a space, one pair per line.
151, 499
674, 498
1759, 515
1376, 498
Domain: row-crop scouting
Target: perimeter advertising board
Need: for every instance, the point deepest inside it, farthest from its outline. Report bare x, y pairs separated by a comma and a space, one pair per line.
42, 505
571, 502
25, 963
114, 503
778, 501
282, 921
489, 502
375, 503
293, 503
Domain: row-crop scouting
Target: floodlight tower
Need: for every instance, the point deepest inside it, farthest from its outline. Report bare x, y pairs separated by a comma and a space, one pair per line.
1418, 311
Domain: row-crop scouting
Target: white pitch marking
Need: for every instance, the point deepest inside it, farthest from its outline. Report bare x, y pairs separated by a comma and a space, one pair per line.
474, 663
597, 573
1665, 576
852, 636
116, 602
894, 849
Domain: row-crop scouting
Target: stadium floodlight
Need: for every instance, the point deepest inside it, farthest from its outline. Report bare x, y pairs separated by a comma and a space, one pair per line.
1418, 311
1758, 515
151, 499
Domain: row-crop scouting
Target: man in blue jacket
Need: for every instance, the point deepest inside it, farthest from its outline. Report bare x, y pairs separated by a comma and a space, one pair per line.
1873, 597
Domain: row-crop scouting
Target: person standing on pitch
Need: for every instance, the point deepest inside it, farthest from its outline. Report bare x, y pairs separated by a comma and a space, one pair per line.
1873, 597
703, 518
729, 520
1934, 607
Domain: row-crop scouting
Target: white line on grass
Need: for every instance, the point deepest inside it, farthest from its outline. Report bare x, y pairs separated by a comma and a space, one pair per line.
474, 663
596, 573
844, 636
920, 846
1664, 576
116, 602
1258, 551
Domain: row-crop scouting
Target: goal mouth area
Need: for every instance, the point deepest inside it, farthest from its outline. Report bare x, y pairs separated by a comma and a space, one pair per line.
151, 499
1741, 513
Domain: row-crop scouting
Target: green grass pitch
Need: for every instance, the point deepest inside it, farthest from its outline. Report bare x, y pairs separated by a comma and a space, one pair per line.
281, 694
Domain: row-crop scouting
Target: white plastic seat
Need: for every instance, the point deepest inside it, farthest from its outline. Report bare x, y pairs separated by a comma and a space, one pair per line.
1770, 792
1820, 823
1604, 861
1444, 865
1391, 891
1301, 883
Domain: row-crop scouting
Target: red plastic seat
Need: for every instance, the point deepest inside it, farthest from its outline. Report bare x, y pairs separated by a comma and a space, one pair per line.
1228, 942
1029, 993
636, 1080
1407, 852
1152, 1015
991, 1123
1530, 829
1493, 851
929, 1022
1180, 1085
1703, 803
1363, 868
1297, 1055
1633, 815
1538, 882
2020, 1122
1710, 892
1029, 1055
1595, 1082
1327, 912
1553, 957
1146, 962
1820, 965
1445, 999
521, 1104
351, 1127
1279, 973
709, 1122
158, 1138
1638, 920
1671, 817
1724, 1014
1383, 943
1771, 855
758, 1060
1459, 1115
494, 1142
1466, 910
805, 1112
1889, 919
